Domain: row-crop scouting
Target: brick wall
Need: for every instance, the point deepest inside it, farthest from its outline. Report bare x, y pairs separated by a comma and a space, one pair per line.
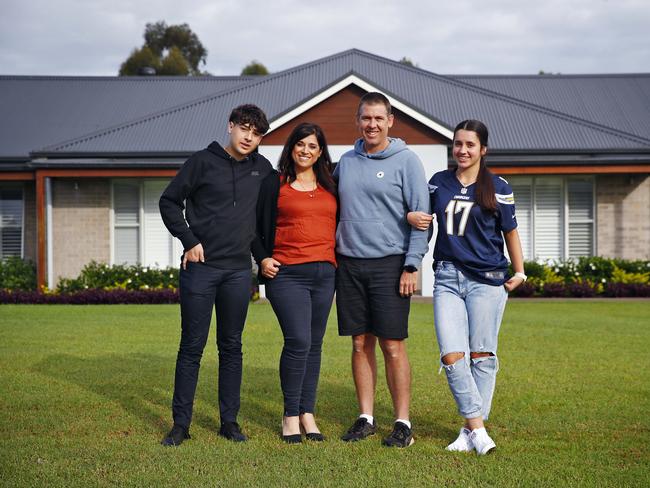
81, 224
623, 213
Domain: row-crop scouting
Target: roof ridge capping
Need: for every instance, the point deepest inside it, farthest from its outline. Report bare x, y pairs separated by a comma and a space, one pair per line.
517, 101
268, 78
56, 147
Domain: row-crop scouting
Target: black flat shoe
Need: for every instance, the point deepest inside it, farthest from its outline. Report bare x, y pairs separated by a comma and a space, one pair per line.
314, 436
176, 436
292, 439
232, 432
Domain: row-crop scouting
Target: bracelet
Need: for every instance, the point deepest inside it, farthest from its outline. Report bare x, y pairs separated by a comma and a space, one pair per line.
520, 275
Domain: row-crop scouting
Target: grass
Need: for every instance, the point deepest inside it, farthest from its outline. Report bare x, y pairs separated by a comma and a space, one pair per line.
86, 394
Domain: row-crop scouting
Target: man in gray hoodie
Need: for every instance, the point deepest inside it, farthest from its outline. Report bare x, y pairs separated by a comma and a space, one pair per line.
379, 255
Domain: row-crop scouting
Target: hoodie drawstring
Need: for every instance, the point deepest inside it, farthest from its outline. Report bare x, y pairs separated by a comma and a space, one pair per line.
234, 187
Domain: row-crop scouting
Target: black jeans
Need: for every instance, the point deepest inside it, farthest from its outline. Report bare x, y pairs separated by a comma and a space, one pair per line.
203, 287
301, 296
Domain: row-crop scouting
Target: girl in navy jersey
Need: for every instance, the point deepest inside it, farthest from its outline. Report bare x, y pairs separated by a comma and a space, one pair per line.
475, 212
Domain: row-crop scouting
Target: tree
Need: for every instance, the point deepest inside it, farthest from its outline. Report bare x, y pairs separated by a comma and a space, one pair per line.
159, 42
408, 62
254, 68
138, 61
174, 64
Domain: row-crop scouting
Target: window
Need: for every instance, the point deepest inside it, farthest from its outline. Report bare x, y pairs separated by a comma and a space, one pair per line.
555, 216
11, 220
139, 235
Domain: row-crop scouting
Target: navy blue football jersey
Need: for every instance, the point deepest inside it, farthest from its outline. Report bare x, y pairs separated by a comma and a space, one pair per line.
469, 236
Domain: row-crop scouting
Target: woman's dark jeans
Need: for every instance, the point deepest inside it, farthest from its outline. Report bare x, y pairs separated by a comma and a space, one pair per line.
301, 296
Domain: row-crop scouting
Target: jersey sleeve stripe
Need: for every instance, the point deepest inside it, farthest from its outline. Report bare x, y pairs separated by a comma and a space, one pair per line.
505, 199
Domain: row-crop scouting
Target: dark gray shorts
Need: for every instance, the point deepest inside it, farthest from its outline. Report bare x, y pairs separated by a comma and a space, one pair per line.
368, 299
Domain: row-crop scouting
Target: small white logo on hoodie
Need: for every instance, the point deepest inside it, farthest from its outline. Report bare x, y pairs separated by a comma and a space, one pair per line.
380, 174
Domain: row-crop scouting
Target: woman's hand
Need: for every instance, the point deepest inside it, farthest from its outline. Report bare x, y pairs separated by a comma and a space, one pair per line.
270, 267
513, 283
419, 220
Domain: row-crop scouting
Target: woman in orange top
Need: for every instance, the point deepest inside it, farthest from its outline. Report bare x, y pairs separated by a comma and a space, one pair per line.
294, 249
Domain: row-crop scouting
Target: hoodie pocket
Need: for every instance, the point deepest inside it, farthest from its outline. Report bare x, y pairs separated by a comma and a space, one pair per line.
361, 234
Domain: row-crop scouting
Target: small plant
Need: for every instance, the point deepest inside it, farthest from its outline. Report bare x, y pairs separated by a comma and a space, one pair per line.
17, 274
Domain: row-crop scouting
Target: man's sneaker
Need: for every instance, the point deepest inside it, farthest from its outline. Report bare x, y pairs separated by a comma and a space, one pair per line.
482, 442
176, 436
359, 430
401, 436
463, 443
232, 432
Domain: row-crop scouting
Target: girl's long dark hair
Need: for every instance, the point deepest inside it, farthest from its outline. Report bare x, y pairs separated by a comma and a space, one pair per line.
484, 193
323, 166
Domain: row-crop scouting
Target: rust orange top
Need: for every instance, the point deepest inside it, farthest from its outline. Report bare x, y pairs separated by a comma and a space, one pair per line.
306, 226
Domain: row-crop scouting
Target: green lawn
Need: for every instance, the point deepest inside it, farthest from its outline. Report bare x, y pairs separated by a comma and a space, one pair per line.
86, 391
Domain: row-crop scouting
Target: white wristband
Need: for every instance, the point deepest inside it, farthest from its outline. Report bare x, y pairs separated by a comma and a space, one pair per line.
520, 275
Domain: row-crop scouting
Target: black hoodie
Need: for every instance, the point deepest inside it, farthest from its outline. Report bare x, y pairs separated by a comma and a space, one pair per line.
219, 195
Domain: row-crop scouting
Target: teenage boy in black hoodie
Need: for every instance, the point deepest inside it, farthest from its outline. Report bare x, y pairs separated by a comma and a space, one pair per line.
218, 189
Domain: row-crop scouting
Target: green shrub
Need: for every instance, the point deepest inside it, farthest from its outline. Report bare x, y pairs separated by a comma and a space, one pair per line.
120, 277
621, 276
585, 276
17, 274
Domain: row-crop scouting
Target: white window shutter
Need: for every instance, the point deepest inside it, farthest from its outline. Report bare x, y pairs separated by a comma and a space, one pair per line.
522, 189
549, 242
581, 217
11, 220
126, 208
158, 248
127, 249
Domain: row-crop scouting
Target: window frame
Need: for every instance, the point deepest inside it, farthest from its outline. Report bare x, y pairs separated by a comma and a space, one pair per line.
137, 184
21, 186
565, 215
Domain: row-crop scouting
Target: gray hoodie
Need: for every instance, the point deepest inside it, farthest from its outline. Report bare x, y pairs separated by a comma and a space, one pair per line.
376, 191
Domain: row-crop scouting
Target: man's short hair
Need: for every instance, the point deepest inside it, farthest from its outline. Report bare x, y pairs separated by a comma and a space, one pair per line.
250, 114
374, 98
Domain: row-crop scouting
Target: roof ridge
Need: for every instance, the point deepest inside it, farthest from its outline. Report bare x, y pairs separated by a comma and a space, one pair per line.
353, 51
552, 76
127, 124
184, 106
122, 78
517, 101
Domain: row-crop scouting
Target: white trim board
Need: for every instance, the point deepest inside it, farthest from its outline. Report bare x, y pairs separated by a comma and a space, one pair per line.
364, 85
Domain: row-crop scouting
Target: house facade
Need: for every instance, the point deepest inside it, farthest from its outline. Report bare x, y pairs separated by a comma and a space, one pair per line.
83, 161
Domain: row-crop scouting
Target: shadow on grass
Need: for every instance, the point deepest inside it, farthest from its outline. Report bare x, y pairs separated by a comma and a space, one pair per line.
262, 402
138, 382
142, 384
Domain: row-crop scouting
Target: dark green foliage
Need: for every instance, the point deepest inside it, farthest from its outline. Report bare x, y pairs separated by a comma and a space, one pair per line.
586, 277
408, 62
254, 68
174, 64
17, 274
138, 60
172, 50
120, 277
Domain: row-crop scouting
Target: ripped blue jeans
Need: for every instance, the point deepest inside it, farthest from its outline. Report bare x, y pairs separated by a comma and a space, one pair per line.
467, 316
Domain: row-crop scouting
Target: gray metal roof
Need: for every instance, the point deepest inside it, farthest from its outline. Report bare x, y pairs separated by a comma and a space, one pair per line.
617, 101
37, 111
182, 126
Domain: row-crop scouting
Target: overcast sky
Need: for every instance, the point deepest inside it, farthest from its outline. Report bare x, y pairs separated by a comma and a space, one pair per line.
93, 37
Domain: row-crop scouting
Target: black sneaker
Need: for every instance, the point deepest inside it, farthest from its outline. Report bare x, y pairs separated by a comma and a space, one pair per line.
401, 436
359, 430
176, 436
232, 432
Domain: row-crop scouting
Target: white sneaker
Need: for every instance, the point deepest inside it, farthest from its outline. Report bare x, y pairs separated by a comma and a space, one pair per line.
463, 443
482, 442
